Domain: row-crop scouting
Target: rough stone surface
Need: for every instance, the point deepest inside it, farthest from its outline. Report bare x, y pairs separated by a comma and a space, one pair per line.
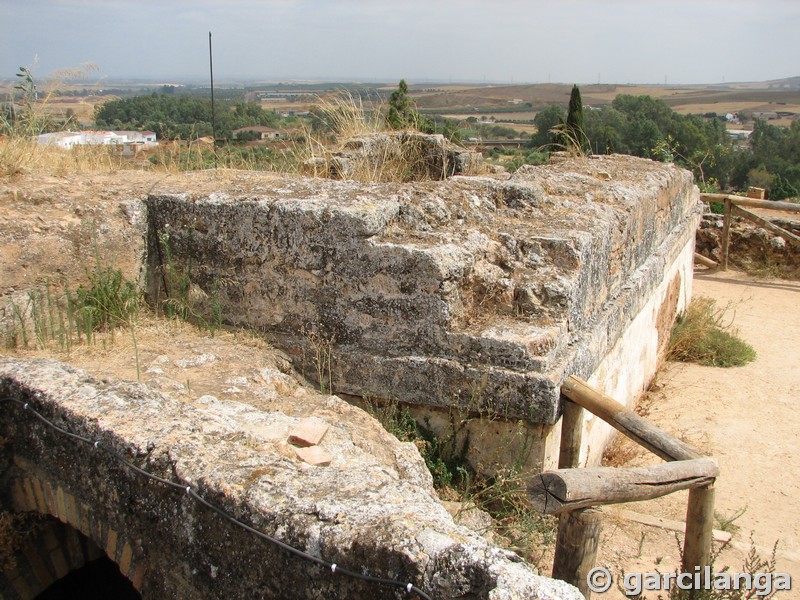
751, 246
363, 511
472, 293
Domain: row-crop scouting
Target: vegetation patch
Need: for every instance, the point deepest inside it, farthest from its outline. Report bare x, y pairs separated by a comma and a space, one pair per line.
702, 335
61, 316
516, 524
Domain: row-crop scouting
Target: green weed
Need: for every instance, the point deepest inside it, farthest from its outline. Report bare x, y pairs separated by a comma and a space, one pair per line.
519, 526
728, 522
62, 317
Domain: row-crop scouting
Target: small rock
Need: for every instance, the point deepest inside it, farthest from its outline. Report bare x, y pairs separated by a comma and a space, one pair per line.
778, 243
207, 400
196, 361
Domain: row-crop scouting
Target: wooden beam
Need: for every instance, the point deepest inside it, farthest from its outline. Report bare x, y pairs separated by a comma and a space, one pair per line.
751, 202
576, 548
726, 235
659, 442
571, 435
699, 528
787, 235
706, 262
554, 492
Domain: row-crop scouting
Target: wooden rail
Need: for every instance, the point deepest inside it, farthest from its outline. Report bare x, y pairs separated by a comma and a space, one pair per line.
571, 492
733, 206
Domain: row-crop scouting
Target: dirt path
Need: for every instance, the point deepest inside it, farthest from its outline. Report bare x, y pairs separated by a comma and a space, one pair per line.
747, 419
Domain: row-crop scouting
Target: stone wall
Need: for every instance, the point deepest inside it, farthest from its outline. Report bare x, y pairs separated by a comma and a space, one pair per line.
372, 509
474, 294
752, 248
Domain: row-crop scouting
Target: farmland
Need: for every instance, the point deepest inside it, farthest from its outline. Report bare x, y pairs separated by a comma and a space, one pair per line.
520, 102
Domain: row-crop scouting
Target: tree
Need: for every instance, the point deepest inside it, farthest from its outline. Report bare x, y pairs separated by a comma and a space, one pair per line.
402, 114
545, 120
574, 133
399, 115
179, 116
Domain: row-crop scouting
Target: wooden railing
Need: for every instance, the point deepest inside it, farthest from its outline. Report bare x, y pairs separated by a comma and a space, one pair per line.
571, 492
733, 206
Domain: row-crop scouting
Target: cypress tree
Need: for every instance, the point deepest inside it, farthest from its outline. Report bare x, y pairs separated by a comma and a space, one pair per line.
574, 126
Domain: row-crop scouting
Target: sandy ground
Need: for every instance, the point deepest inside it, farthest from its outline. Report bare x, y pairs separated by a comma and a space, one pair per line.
746, 418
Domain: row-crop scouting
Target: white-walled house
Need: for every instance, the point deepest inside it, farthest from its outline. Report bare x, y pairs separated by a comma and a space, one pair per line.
69, 139
62, 139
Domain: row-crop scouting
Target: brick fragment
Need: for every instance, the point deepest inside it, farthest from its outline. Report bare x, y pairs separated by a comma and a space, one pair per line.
314, 455
308, 432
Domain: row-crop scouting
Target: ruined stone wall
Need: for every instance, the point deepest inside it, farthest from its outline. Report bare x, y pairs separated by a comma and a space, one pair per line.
371, 510
752, 248
474, 294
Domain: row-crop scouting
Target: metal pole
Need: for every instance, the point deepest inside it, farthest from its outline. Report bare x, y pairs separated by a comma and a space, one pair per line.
213, 116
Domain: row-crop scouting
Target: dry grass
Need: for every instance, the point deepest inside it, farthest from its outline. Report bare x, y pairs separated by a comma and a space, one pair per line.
360, 148
703, 335
24, 155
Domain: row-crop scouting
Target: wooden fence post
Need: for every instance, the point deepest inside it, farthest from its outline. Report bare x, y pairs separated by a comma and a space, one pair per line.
699, 528
726, 235
576, 547
571, 435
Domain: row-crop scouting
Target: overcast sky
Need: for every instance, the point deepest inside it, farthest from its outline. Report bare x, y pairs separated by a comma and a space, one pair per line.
571, 41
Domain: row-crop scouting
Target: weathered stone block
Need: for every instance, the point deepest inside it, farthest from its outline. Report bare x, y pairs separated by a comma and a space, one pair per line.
473, 293
371, 510
314, 455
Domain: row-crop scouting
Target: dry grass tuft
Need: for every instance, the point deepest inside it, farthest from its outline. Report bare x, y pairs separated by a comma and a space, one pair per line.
353, 143
702, 335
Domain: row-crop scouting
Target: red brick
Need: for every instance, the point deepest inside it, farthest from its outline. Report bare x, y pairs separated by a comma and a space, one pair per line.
314, 455
308, 432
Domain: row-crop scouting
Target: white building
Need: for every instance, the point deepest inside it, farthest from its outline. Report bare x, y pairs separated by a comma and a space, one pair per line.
69, 139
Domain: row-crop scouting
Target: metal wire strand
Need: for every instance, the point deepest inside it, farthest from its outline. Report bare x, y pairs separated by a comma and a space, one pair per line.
333, 567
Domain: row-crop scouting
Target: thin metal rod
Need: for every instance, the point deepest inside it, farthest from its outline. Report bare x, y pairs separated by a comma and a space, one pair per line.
213, 115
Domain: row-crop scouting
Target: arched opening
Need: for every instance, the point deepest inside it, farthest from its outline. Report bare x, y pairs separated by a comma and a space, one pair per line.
99, 579
54, 561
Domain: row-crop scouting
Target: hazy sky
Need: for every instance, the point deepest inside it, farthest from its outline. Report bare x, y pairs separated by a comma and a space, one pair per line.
580, 41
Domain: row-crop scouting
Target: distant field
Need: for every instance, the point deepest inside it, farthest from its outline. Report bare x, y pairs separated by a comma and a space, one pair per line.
509, 103
459, 101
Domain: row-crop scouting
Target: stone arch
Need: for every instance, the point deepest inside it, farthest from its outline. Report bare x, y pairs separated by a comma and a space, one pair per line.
68, 537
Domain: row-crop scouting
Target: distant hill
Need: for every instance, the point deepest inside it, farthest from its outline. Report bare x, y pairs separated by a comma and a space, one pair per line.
789, 83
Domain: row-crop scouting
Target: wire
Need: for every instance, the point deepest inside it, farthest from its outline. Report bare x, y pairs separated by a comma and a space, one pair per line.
333, 567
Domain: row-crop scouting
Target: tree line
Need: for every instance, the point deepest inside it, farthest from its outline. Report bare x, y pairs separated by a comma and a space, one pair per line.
647, 127
637, 125
183, 117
